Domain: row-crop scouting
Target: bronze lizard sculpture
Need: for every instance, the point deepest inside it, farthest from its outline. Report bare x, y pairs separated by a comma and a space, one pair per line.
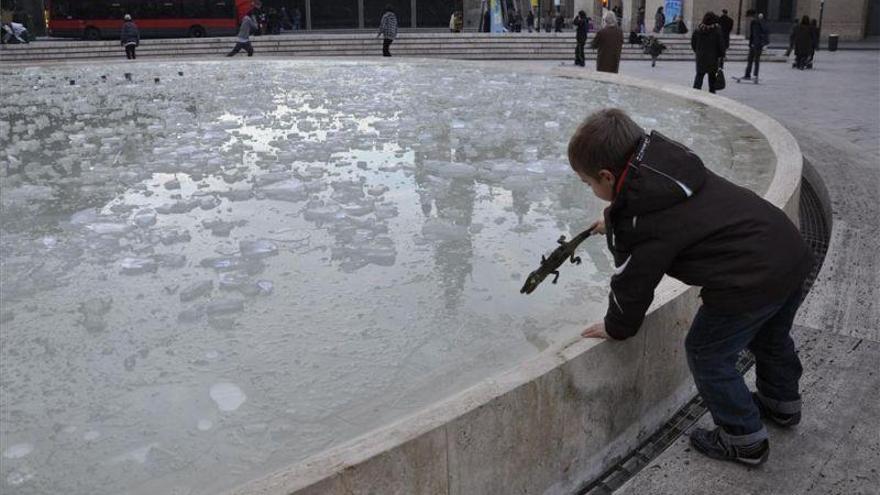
550, 265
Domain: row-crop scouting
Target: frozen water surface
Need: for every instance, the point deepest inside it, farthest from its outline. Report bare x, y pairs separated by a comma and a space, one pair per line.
211, 277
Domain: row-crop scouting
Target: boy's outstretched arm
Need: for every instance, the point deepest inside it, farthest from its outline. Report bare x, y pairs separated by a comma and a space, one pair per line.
636, 275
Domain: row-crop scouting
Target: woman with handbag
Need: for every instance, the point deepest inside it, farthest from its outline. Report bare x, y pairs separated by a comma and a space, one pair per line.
707, 41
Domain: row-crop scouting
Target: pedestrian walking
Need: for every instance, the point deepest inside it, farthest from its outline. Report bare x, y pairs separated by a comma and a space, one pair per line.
456, 22
388, 30
758, 39
530, 20
297, 19
803, 43
707, 42
581, 25
659, 20
608, 43
726, 24
559, 23
129, 37
640, 20
814, 32
248, 26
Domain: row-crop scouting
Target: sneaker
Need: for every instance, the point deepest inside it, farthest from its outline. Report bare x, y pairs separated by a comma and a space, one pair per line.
712, 444
747, 78
783, 420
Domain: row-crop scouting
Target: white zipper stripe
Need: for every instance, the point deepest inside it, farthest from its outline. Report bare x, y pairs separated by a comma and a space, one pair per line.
622, 267
686, 189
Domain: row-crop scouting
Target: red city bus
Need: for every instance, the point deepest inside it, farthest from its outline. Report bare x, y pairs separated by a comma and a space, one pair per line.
97, 19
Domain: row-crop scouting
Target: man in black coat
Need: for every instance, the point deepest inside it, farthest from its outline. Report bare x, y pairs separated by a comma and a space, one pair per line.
580, 23
707, 42
726, 24
802, 40
758, 39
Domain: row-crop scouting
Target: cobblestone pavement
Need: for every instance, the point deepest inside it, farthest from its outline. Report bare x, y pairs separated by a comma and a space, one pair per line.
841, 95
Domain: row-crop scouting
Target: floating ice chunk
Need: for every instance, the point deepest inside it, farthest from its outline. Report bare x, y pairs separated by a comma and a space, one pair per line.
174, 236
91, 435
16, 478
377, 190
209, 203
358, 210
551, 125
288, 190
321, 213
451, 170
204, 424
171, 260
233, 281
172, 184
83, 217
224, 307
18, 451
271, 178
107, 228
196, 290
192, 314
265, 287
438, 230
259, 248
182, 206
227, 396
220, 228
137, 266
144, 218
93, 311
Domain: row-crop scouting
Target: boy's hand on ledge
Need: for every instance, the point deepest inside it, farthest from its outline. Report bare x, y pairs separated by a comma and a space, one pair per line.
599, 227
596, 331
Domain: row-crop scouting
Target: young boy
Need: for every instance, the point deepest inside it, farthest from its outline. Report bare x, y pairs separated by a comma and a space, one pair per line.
671, 215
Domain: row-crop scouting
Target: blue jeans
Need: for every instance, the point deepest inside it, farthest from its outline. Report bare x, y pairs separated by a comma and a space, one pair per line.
713, 344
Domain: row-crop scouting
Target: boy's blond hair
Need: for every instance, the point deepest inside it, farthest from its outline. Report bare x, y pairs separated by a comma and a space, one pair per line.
604, 140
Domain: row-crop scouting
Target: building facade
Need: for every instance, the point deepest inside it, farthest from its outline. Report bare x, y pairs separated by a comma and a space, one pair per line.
851, 19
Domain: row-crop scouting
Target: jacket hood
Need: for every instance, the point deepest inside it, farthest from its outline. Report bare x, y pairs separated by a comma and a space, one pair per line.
707, 28
661, 173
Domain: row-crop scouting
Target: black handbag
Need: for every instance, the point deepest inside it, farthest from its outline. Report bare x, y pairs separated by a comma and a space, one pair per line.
720, 83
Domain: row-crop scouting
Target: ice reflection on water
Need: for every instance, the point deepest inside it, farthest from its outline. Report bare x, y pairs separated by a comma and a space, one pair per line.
213, 276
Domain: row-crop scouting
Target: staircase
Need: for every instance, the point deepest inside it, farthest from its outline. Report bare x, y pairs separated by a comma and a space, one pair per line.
468, 45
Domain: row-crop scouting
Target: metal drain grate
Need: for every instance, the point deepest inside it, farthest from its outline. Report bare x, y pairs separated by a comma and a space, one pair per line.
816, 233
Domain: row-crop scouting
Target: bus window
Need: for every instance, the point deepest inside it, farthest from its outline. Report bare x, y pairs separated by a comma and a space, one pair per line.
195, 9
61, 9
168, 9
116, 10
221, 9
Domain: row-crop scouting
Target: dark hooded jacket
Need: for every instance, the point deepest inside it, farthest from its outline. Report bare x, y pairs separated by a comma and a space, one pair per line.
673, 216
129, 33
708, 44
802, 40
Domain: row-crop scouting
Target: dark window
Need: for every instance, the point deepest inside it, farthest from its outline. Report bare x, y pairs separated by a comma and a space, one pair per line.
220, 9
434, 13
61, 9
168, 9
116, 10
195, 8
340, 14
373, 10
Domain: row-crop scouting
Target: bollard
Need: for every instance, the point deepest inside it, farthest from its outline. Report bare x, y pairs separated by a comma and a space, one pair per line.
156, 80
72, 82
180, 73
103, 78
128, 76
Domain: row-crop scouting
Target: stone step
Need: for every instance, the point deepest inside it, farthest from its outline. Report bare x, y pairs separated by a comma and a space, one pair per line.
550, 46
